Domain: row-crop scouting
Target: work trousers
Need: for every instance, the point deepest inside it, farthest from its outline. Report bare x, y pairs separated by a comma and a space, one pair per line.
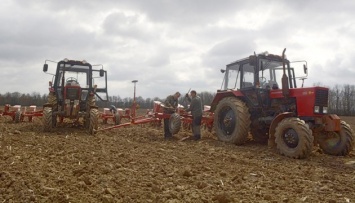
196, 126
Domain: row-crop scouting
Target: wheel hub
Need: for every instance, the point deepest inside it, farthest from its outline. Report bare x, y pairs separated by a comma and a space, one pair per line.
290, 138
227, 120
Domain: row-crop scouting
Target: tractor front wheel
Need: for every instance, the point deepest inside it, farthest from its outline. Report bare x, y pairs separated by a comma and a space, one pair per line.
49, 121
18, 115
294, 138
232, 120
174, 123
117, 119
337, 143
93, 121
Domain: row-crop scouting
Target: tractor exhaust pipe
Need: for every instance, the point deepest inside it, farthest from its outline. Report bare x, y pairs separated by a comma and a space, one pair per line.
285, 87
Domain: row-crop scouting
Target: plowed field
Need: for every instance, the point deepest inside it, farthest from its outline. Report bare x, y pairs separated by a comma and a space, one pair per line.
136, 164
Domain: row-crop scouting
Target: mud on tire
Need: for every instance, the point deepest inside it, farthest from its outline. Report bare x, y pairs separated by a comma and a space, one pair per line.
52, 99
294, 138
338, 144
18, 116
47, 120
232, 120
174, 123
93, 121
117, 119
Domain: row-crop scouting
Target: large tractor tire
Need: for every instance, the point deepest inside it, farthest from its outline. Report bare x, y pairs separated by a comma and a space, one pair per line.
117, 119
232, 121
49, 121
93, 121
18, 116
174, 123
294, 138
337, 143
91, 101
52, 99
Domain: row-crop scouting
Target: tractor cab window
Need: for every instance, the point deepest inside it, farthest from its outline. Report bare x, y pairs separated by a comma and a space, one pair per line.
74, 75
248, 75
232, 78
73, 79
248, 79
270, 74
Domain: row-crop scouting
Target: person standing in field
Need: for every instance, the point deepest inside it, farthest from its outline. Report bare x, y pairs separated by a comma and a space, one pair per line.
196, 112
170, 105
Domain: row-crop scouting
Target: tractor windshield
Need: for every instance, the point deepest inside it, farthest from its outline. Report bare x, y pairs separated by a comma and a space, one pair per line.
73, 75
270, 74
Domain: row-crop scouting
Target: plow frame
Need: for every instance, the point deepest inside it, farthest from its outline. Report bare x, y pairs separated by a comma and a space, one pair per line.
17, 115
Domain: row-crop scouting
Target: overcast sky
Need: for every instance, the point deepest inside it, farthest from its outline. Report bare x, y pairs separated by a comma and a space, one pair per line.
172, 45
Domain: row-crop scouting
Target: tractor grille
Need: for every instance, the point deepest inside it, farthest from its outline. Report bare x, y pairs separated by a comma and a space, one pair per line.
72, 93
321, 98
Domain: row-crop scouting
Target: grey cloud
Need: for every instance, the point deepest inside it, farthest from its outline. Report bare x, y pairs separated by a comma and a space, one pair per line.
154, 40
125, 26
228, 51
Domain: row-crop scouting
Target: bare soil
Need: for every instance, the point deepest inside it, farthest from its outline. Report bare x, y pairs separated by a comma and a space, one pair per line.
136, 164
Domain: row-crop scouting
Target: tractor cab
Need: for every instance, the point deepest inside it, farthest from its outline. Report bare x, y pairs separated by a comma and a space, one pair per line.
256, 76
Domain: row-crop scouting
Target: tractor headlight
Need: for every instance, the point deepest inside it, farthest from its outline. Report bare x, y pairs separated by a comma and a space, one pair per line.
325, 109
316, 109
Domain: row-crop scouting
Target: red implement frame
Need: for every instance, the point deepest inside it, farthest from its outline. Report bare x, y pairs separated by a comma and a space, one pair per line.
18, 116
156, 115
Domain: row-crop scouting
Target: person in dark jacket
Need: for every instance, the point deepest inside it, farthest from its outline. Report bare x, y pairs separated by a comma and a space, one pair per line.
196, 112
170, 105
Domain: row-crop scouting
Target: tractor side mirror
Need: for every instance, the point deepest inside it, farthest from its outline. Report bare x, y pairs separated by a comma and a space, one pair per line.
45, 67
102, 73
305, 69
252, 60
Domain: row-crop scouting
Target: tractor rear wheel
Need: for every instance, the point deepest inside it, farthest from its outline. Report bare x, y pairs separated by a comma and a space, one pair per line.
174, 123
117, 119
232, 120
49, 121
93, 121
294, 138
337, 143
52, 99
18, 115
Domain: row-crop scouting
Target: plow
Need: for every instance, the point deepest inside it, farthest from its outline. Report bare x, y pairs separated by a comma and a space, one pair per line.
155, 116
19, 114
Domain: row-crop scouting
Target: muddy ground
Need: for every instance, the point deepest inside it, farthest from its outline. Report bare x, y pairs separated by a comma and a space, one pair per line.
135, 164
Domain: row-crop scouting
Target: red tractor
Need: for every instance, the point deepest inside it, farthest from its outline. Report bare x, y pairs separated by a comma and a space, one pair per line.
72, 94
260, 95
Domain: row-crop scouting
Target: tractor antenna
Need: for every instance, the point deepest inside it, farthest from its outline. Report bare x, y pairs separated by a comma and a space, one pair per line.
285, 87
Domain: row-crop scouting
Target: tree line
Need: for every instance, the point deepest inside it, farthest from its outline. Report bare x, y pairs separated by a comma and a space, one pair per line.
148, 103
341, 100
35, 98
